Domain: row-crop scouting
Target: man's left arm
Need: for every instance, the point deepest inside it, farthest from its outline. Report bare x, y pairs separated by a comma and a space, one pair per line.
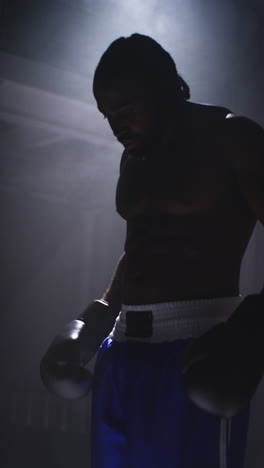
245, 140
222, 368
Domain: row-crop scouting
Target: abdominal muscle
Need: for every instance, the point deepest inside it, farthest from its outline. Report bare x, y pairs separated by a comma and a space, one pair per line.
176, 286
185, 251
181, 273
187, 229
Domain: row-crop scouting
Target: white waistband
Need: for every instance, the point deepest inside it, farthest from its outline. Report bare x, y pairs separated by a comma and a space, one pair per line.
176, 320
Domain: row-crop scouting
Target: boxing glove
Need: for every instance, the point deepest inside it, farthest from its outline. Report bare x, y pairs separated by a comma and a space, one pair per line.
62, 369
222, 368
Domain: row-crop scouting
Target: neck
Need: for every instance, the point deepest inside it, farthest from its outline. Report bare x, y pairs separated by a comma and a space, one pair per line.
174, 125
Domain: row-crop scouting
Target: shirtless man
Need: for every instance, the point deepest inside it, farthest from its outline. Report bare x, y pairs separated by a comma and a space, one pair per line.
174, 377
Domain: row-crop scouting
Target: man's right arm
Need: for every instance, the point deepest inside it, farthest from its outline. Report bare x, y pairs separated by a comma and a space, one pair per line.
115, 291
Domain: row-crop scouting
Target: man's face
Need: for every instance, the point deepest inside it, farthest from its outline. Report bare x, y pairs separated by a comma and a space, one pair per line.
132, 115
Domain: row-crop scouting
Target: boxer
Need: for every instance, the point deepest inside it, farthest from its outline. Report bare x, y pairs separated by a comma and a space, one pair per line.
175, 375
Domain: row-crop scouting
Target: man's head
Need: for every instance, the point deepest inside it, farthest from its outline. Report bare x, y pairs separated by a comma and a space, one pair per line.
138, 89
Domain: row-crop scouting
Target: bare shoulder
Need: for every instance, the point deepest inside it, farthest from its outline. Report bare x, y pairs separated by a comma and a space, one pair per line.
243, 135
124, 158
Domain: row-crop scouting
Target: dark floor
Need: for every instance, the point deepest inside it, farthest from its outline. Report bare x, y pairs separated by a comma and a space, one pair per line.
29, 448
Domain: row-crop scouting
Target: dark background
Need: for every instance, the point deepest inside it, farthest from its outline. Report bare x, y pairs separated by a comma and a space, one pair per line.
60, 234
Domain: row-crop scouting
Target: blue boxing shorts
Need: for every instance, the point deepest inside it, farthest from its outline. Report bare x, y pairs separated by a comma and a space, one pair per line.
141, 417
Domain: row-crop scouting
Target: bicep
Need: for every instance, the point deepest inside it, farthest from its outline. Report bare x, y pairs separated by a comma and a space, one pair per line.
246, 145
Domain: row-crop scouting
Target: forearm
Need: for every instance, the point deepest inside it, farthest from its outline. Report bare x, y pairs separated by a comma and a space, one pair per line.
114, 293
112, 298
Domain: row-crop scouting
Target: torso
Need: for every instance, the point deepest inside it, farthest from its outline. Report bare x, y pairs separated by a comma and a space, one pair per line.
187, 222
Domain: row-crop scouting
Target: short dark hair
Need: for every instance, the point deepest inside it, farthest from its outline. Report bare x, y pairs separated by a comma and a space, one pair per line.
141, 56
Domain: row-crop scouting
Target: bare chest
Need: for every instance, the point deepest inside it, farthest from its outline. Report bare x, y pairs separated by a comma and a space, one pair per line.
198, 185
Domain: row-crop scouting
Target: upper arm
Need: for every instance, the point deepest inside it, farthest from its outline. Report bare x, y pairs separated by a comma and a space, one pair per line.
245, 139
